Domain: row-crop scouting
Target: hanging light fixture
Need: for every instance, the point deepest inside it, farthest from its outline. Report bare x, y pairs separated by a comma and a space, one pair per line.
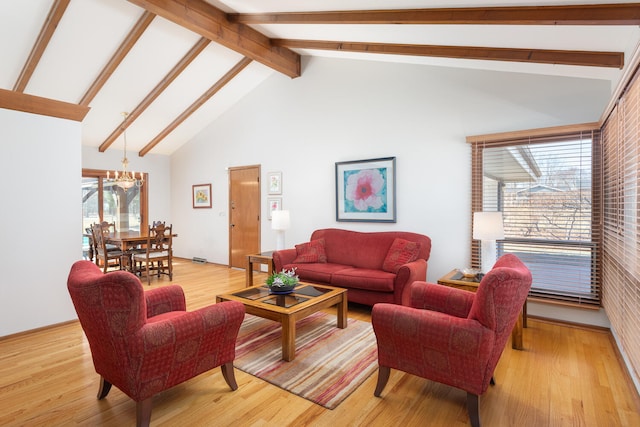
125, 179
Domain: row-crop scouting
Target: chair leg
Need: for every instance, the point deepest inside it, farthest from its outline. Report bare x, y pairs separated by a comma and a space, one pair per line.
473, 409
383, 377
105, 387
143, 412
229, 375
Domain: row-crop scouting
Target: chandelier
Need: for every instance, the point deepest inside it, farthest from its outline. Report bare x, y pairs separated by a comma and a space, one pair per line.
125, 179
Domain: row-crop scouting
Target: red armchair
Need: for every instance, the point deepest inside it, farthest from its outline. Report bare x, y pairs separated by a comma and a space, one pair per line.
146, 342
452, 336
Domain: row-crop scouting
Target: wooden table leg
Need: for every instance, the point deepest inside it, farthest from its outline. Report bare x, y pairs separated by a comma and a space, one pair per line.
288, 338
516, 334
249, 272
342, 312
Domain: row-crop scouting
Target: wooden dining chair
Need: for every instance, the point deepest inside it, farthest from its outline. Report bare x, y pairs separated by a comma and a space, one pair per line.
106, 255
158, 256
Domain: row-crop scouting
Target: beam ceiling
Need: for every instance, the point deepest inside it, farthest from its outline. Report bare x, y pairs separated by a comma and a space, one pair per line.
594, 14
212, 23
234, 31
541, 56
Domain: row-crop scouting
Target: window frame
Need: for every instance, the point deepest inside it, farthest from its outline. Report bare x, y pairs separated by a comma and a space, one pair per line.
144, 191
529, 137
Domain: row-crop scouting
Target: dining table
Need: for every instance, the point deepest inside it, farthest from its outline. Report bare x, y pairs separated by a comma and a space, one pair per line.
128, 241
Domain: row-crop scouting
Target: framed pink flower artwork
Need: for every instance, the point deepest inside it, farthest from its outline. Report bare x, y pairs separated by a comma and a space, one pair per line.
366, 190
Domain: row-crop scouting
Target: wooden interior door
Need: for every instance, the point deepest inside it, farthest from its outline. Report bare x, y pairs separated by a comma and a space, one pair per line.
244, 214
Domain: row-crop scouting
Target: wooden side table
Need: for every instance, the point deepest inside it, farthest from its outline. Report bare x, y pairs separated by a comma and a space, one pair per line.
455, 279
261, 258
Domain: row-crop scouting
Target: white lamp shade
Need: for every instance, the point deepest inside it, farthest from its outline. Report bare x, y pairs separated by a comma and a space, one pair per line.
488, 226
280, 220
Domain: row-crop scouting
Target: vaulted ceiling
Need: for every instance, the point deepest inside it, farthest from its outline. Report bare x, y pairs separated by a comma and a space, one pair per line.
176, 65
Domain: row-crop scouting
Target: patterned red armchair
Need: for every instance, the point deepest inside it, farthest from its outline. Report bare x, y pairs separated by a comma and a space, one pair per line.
145, 342
452, 336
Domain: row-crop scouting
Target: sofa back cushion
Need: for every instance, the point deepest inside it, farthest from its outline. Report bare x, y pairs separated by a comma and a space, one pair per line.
365, 250
401, 252
310, 252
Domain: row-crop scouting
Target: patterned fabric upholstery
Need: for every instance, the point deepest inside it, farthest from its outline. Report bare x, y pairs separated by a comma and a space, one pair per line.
400, 253
452, 336
145, 342
312, 251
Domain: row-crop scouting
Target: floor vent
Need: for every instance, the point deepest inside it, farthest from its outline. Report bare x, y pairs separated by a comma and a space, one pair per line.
199, 260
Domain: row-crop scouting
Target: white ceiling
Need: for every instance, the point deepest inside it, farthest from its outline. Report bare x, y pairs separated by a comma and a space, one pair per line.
91, 31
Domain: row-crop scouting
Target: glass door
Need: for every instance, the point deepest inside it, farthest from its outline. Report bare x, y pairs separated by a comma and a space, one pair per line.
104, 201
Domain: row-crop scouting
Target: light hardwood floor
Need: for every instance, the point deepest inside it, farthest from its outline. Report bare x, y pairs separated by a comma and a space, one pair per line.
566, 376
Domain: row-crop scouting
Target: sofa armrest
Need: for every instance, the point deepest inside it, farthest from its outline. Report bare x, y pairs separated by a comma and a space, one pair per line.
165, 299
406, 275
431, 296
282, 258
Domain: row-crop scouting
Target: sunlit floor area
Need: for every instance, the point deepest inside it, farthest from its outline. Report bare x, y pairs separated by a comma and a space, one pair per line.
565, 376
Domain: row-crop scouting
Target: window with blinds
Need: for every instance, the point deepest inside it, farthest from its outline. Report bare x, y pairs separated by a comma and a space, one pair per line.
621, 226
544, 186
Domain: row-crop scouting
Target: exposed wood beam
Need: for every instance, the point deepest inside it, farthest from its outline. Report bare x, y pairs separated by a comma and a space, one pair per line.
44, 106
197, 104
565, 57
160, 87
212, 23
127, 44
50, 24
591, 14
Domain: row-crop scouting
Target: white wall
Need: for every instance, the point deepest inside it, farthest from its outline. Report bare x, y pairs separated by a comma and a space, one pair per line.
41, 218
157, 166
348, 110
338, 110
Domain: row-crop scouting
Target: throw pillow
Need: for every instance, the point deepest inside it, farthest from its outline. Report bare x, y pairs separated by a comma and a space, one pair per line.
401, 252
312, 251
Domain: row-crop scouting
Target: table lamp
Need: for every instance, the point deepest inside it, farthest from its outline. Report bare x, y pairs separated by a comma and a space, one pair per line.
488, 227
280, 222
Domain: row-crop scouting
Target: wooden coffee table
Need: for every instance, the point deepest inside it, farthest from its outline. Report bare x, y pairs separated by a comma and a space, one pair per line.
306, 299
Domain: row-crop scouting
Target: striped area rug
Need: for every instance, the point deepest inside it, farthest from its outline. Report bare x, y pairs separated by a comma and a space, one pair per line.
330, 362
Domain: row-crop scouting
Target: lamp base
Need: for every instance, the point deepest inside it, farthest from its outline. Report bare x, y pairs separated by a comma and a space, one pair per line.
488, 255
279, 240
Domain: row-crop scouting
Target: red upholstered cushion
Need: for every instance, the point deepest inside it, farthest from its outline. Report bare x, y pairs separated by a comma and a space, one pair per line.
312, 251
401, 252
318, 272
362, 278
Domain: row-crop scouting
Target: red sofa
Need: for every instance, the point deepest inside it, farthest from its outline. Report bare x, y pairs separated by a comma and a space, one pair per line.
375, 267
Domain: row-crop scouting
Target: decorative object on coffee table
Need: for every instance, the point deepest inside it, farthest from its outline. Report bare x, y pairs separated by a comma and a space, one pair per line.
283, 282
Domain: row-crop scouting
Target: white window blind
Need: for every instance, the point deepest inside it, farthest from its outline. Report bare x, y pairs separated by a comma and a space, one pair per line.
621, 228
544, 186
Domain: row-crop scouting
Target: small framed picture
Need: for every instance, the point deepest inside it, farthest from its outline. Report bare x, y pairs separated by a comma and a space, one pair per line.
274, 182
201, 196
275, 204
